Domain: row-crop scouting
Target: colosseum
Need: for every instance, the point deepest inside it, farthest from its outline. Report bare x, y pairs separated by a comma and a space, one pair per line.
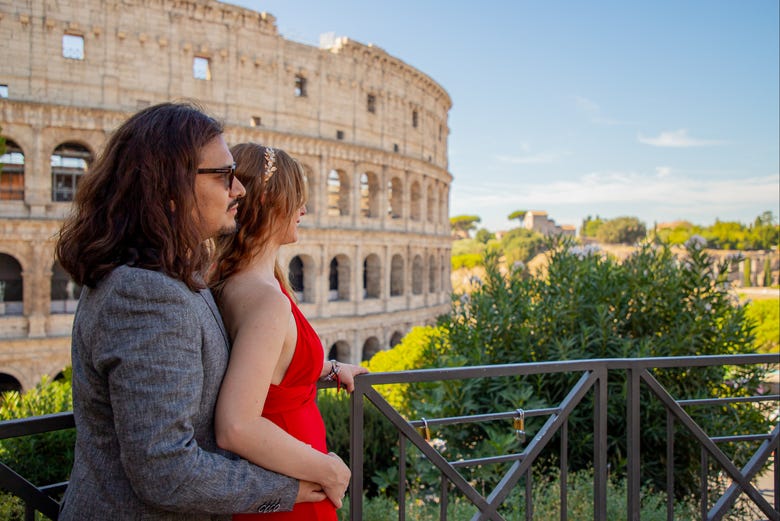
370, 130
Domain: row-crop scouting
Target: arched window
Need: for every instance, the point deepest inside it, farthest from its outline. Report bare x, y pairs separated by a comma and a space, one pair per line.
397, 276
339, 351
370, 348
369, 195
310, 181
445, 285
301, 276
338, 278
9, 383
416, 212
430, 204
64, 292
12, 173
11, 287
395, 198
338, 193
68, 163
372, 278
396, 338
295, 274
433, 274
443, 209
417, 275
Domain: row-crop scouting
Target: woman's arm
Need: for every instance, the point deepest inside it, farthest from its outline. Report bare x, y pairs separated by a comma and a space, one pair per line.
344, 374
259, 323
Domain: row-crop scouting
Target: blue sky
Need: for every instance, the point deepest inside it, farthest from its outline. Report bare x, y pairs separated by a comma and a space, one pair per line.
660, 109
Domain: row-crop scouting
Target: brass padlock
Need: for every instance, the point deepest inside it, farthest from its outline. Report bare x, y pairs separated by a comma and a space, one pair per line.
424, 431
519, 424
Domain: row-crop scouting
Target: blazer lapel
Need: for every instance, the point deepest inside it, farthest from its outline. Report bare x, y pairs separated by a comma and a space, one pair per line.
206, 295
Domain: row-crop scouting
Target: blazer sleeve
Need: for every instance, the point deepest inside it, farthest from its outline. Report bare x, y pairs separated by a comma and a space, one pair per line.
150, 335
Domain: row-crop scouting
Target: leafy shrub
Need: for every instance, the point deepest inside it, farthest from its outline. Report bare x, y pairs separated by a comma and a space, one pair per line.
592, 306
764, 315
42, 459
467, 260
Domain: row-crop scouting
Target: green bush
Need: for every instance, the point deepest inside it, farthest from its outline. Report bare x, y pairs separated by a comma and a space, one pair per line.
467, 260
42, 459
764, 315
592, 306
546, 503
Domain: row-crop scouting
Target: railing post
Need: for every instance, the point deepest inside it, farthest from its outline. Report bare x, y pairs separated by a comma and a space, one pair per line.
356, 453
600, 447
632, 419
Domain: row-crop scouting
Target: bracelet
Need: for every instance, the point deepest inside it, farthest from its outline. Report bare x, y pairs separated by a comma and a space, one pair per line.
334, 374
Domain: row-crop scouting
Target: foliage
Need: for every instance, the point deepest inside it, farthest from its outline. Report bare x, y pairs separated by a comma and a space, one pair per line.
622, 230
763, 234
462, 225
521, 245
590, 226
678, 234
466, 246
764, 315
484, 235
468, 261
379, 436
517, 214
592, 306
41, 458
747, 276
767, 272
546, 503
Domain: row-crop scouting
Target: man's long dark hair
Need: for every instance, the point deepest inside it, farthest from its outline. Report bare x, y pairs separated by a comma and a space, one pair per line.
136, 205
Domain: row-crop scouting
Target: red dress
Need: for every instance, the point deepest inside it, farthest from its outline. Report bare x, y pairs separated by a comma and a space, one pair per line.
291, 405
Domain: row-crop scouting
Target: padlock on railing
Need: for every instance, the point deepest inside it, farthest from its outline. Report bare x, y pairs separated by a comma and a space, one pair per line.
519, 424
424, 431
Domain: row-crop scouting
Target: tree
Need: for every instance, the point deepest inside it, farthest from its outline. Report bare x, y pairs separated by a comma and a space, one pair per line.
622, 230
590, 226
462, 225
484, 235
517, 214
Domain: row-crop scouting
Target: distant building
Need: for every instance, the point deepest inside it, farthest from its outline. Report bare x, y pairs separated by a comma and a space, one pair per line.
537, 221
373, 258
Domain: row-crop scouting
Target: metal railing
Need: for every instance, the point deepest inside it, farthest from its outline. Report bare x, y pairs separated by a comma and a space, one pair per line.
593, 378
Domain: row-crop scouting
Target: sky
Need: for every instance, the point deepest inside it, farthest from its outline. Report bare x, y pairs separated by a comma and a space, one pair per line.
663, 110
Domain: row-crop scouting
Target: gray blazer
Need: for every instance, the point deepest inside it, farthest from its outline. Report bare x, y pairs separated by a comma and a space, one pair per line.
148, 359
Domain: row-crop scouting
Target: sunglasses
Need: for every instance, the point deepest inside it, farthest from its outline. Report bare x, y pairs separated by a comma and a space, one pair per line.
228, 173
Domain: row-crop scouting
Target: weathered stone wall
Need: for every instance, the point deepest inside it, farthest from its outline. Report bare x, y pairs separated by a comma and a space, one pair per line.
140, 52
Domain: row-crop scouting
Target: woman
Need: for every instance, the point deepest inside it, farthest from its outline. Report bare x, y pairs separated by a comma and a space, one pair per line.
277, 357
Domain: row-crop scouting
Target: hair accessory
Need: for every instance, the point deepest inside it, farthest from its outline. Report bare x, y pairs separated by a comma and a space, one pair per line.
270, 163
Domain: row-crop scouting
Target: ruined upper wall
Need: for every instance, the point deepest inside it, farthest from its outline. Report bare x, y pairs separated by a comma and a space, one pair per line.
140, 52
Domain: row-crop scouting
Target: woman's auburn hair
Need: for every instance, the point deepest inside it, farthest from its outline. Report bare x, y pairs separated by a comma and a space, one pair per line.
136, 203
270, 203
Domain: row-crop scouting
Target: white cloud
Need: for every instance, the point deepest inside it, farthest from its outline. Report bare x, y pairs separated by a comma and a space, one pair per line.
658, 196
678, 139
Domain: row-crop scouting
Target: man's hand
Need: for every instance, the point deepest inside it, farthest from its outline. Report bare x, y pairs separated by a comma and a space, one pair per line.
309, 492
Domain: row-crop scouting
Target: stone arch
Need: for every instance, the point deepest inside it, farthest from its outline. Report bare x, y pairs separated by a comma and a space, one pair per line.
340, 351
12, 178
9, 383
443, 210
338, 193
338, 278
370, 348
11, 286
433, 274
416, 201
64, 291
301, 273
396, 275
430, 204
69, 162
312, 187
372, 276
369, 195
444, 274
395, 195
396, 338
417, 275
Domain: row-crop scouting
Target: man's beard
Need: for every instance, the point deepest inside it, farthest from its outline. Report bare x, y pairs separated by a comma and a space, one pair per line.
229, 230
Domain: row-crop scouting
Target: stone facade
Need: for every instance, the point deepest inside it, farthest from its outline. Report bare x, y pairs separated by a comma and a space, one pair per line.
371, 131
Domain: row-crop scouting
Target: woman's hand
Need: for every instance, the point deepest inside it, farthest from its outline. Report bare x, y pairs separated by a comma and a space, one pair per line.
347, 374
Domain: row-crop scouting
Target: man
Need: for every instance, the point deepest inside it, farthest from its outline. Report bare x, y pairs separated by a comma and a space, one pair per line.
149, 347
